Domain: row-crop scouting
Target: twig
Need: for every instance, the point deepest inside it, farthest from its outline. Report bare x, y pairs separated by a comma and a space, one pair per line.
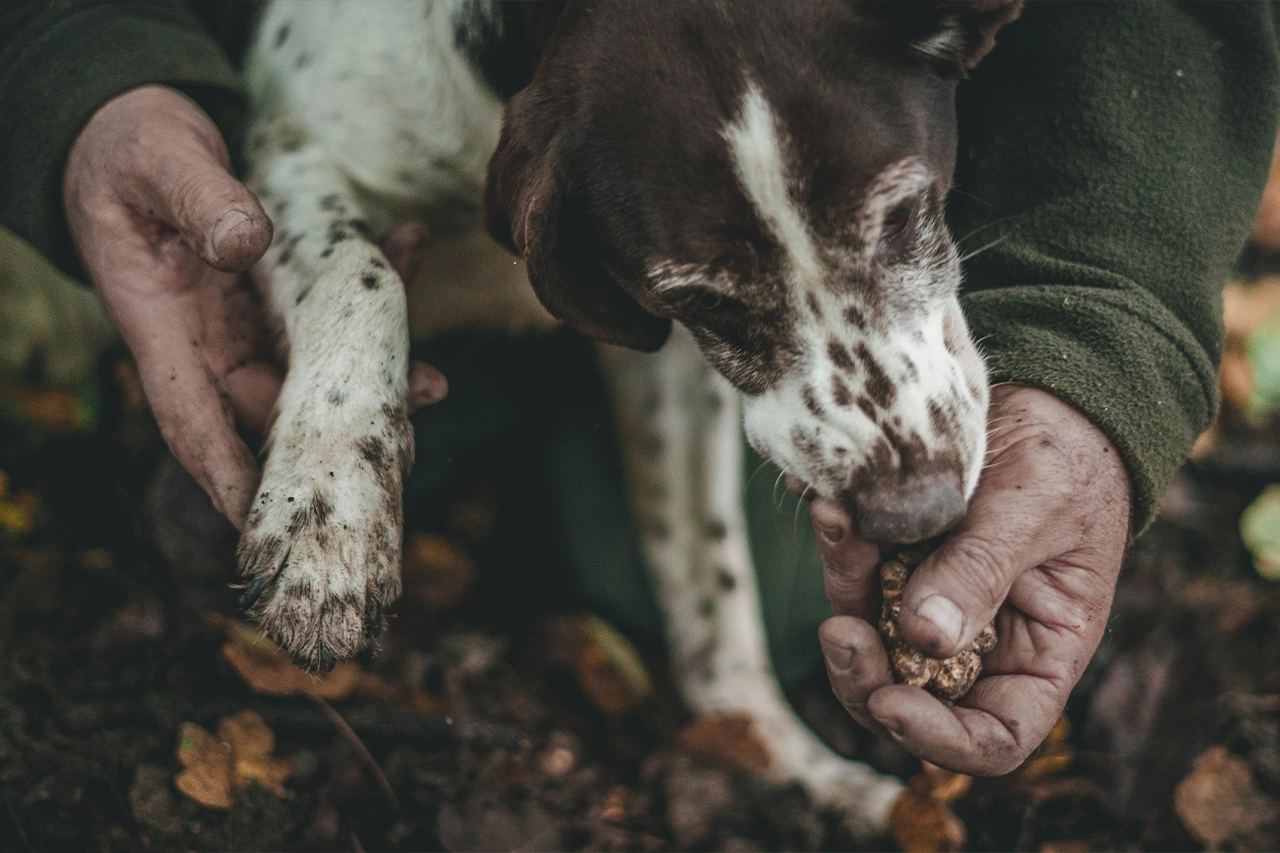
361, 750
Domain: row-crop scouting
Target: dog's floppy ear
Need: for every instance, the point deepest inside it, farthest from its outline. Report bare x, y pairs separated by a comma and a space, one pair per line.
530, 210
954, 35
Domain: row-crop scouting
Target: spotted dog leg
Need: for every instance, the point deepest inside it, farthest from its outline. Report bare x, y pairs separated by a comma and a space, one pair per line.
321, 547
682, 445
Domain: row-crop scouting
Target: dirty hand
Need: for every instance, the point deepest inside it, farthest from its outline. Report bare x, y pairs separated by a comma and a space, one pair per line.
1040, 550
164, 231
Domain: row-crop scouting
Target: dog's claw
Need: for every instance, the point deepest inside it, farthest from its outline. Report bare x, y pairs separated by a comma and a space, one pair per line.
373, 620
252, 593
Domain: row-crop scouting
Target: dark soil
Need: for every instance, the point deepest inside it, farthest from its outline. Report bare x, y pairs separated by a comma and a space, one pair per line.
110, 637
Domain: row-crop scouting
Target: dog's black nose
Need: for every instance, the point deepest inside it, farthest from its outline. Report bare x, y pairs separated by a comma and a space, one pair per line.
900, 513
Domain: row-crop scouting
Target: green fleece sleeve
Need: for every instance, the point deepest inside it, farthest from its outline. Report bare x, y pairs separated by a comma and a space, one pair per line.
60, 60
1111, 157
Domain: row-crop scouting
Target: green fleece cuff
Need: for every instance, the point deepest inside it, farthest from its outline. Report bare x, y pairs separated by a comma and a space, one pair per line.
1119, 357
55, 83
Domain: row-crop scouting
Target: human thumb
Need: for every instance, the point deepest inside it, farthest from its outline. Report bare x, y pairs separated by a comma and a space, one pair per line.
217, 216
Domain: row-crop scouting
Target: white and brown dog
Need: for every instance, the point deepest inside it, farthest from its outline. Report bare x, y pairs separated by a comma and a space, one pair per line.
765, 178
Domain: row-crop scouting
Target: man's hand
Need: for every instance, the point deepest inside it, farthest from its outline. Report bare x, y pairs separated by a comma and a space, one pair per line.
1040, 550
164, 230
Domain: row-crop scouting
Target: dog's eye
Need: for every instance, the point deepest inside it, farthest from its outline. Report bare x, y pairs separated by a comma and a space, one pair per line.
704, 302
896, 222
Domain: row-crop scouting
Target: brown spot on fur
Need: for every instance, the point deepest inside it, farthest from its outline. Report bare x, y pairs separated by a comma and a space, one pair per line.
811, 402
855, 317
805, 444
879, 385
370, 280
840, 392
374, 451
868, 408
840, 356
726, 580
716, 529
942, 421
812, 302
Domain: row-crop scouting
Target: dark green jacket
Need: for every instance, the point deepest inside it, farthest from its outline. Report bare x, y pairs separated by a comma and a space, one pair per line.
1117, 152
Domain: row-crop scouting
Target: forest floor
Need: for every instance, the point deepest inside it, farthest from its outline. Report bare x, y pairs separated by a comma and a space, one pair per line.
137, 713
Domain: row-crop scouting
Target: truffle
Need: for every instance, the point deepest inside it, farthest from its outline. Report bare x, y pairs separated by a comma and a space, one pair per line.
947, 679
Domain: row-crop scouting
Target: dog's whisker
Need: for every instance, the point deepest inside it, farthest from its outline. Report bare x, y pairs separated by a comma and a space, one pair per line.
996, 242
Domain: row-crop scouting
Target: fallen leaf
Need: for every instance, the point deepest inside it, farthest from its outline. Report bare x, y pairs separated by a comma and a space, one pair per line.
1260, 530
1236, 603
921, 824
207, 763
437, 572
726, 737
58, 410
1219, 801
616, 805
1060, 787
1208, 440
252, 743
268, 671
944, 786
1055, 753
608, 668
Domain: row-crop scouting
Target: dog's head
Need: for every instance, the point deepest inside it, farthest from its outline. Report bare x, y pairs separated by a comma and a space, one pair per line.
772, 176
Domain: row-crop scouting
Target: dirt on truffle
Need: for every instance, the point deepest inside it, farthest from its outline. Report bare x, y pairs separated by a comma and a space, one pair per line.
480, 730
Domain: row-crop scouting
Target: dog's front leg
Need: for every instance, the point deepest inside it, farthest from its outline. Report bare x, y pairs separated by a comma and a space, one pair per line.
321, 546
682, 444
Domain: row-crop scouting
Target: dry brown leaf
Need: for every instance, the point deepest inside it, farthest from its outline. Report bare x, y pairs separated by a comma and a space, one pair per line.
437, 572
1055, 754
268, 671
214, 767
944, 786
921, 824
608, 668
17, 512
616, 804
252, 743
1207, 442
1235, 603
207, 767
726, 737
56, 409
428, 705
1219, 800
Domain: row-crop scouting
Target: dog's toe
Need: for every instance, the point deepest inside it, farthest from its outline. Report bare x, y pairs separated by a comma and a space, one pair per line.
318, 578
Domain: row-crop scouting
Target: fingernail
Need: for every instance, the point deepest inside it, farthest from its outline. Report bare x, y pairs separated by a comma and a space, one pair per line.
892, 726
944, 615
228, 222
840, 657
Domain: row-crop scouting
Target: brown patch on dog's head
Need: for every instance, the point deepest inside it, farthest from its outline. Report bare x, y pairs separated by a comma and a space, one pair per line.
534, 206
614, 155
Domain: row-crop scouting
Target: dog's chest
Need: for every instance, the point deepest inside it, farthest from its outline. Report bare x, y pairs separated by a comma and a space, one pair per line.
386, 91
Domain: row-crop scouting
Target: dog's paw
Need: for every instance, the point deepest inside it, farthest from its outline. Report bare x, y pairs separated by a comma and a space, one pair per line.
320, 555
